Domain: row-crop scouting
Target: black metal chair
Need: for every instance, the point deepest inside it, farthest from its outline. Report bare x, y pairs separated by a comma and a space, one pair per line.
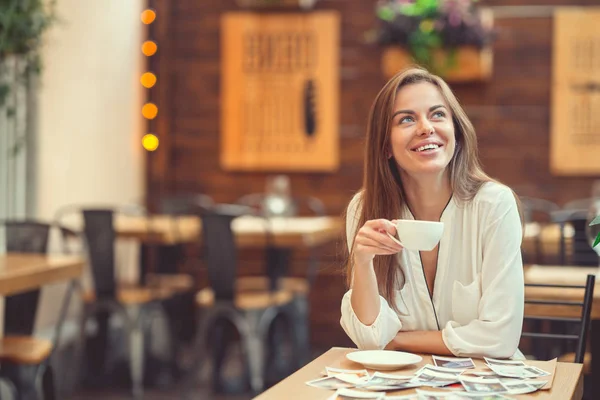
250, 312
278, 265
581, 252
576, 323
24, 357
136, 304
168, 277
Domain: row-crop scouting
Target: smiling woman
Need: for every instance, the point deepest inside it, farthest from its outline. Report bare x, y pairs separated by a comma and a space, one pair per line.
421, 164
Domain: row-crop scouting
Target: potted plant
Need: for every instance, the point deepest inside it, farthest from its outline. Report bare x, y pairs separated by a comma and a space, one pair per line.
596, 221
22, 23
449, 37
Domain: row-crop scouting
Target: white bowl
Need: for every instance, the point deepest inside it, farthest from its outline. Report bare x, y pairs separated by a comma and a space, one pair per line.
383, 360
419, 235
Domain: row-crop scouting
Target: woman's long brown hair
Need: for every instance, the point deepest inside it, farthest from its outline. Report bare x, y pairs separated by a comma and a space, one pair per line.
382, 193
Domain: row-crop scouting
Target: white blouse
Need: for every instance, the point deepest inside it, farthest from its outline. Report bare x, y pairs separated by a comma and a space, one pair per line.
478, 292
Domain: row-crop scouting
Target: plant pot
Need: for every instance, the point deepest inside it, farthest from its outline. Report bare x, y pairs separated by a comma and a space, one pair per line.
471, 64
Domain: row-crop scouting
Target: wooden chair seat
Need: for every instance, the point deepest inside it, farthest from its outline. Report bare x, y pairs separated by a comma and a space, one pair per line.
133, 295
247, 300
177, 283
587, 361
24, 349
296, 286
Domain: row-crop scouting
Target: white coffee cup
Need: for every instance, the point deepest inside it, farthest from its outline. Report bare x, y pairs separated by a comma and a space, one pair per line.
419, 235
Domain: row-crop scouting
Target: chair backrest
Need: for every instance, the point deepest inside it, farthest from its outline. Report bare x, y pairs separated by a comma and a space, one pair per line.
24, 236
582, 252
99, 236
219, 247
581, 322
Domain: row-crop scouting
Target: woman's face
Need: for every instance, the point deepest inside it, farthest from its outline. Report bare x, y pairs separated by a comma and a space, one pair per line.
422, 136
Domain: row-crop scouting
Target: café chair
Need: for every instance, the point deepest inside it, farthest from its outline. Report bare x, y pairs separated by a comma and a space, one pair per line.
250, 312
136, 304
558, 309
278, 262
23, 357
170, 257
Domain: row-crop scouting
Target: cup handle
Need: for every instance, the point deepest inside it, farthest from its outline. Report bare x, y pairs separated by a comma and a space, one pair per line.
394, 238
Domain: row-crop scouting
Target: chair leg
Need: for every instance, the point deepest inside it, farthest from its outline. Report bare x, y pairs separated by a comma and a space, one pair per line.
136, 351
48, 388
198, 352
254, 346
23, 379
300, 322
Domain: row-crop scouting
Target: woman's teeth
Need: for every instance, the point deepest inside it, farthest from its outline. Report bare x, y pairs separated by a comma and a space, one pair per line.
428, 147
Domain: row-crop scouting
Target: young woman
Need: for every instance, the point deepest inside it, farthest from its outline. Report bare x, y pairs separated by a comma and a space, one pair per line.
463, 298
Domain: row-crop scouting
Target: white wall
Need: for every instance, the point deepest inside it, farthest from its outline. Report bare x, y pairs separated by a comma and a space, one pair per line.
89, 122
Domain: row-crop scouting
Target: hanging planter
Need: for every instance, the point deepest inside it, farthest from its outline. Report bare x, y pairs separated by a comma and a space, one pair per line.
303, 4
463, 64
451, 38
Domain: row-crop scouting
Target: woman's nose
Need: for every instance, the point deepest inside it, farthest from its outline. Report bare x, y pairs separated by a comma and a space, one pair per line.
425, 128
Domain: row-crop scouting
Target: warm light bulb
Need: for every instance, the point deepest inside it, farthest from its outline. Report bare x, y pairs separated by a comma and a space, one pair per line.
148, 79
149, 111
149, 48
148, 16
150, 142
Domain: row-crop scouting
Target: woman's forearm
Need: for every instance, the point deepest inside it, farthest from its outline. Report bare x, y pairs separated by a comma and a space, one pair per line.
365, 293
429, 342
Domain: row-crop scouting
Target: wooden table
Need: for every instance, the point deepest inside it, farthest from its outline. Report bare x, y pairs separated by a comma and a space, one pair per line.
22, 272
567, 382
249, 231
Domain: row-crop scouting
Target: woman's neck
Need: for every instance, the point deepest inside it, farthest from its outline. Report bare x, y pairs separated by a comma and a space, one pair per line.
427, 196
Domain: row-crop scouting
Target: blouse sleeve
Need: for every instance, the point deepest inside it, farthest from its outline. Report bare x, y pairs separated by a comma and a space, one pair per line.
497, 331
387, 324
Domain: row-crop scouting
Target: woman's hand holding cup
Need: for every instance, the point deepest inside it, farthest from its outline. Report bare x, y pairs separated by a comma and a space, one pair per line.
375, 238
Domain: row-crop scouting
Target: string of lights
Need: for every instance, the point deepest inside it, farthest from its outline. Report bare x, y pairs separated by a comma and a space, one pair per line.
148, 80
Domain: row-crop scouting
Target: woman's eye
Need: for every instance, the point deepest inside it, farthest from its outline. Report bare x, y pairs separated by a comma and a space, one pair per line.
406, 119
439, 114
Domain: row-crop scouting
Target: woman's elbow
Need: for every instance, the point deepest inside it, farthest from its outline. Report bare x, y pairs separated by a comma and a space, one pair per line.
505, 347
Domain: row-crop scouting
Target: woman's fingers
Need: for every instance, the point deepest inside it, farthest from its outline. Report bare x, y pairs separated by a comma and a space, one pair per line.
378, 251
382, 236
368, 242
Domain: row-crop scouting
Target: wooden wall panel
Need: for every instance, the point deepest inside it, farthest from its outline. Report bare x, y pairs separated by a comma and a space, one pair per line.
511, 113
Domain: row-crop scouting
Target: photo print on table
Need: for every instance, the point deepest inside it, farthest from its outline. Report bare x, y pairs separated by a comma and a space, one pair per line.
384, 382
494, 361
453, 362
349, 394
518, 372
477, 385
330, 382
359, 373
440, 370
519, 387
429, 377
429, 395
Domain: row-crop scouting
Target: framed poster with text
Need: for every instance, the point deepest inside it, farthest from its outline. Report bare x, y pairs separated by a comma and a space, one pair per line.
280, 91
575, 113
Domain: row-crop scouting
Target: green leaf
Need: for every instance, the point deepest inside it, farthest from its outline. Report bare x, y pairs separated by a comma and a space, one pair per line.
596, 221
597, 240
